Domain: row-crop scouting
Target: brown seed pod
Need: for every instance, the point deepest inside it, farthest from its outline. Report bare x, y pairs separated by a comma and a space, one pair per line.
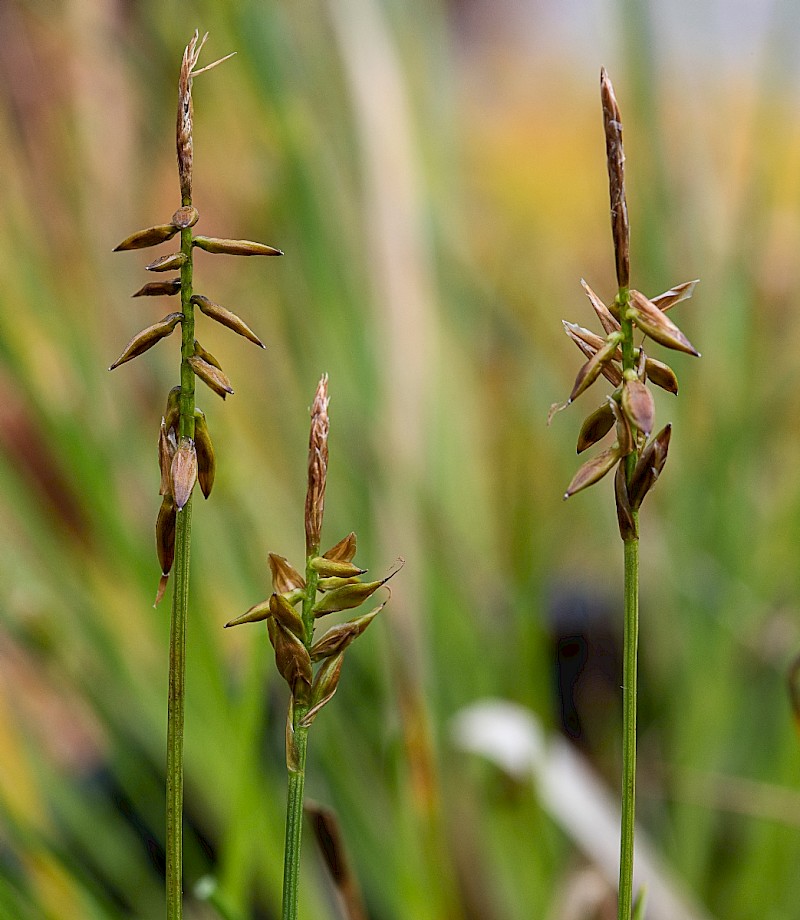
349, 596
607, 320
170, 262
680, 292
211, 376
344, 550
596, 425
285, 577
157, 288
589, 344
165, 534
652, 321
625, 518
226, 318
183, 472
337, 638
147, 338
292, 659
234, 247
206, 461
625, 441
166, 451
329, 567
285, 614
593, 471
662, 375
324, 687
152, 236
649, 466
594, 367
638, 405
256, 614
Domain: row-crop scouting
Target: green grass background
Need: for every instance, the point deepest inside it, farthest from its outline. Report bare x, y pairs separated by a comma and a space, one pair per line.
437, 182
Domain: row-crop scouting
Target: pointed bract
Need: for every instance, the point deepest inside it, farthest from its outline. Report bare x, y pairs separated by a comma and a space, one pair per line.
337, 638
593, 368
638, 405
607, 320
168, 263
649, 466
226, 318
625, 518
212, 377
324, 687
662, 375
256, 614
152, 236
593, 471
286, 615
183, 472
157, 288
206, 461
147, 338
285, 577
596, 425
659, 327
165, 534
234, 247
680, 292
344, 550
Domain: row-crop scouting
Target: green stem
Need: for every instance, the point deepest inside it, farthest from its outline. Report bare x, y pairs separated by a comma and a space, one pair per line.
630, 656
296, 764
294, 824
629, 690
180, 606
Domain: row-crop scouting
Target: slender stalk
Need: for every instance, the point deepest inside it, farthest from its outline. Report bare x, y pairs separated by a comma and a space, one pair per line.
296, 764
630, 644
629, 692
294, 824
180, 606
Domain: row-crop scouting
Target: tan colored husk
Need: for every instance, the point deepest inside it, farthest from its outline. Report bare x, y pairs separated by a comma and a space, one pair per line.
213, 377
348, 596
292, 659
337, 638
226, 318
165, 534
285, 614
593, 368
596, 425
183, 472
329, 567
142, 239
607, 320
159, 288
168, 263
638, 405
234, 247
206, 460
593, 471
625, 519
659, 327
662, 375
324, 687
173, 409
581, 337
166, 451
680, 292
256, 614
285, 577
344, 550
147, 338
649, 466
317, 467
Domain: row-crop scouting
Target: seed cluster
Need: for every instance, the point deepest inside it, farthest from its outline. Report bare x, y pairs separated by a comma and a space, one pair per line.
332, 584
185, 451
630, 409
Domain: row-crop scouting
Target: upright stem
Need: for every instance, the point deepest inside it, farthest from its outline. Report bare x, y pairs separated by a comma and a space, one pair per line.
296, 765
630, 655
180, 606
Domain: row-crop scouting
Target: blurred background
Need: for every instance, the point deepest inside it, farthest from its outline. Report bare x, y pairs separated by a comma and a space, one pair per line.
434, 172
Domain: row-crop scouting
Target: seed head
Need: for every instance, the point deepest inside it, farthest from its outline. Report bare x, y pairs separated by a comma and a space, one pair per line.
317, 467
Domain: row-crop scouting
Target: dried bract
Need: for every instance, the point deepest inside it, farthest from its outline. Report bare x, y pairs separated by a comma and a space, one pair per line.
226, 318
680, 292
152, 236
183, 472
157, 288
213, 377
165, 534
660, 328
324, 687
337, 638
206, 461
286, 615
256, 614
649, 466
147, 338
662, 375
625, 517
638, 405
594, 367
596, 425
234, 247
607, 320
593, 470
344, 550
168, 263
285, 577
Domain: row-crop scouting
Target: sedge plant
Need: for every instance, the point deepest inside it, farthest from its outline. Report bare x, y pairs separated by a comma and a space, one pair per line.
636, 454
332, 583
185, 451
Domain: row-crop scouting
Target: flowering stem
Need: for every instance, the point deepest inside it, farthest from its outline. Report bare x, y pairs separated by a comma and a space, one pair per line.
630, 653
180, 605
